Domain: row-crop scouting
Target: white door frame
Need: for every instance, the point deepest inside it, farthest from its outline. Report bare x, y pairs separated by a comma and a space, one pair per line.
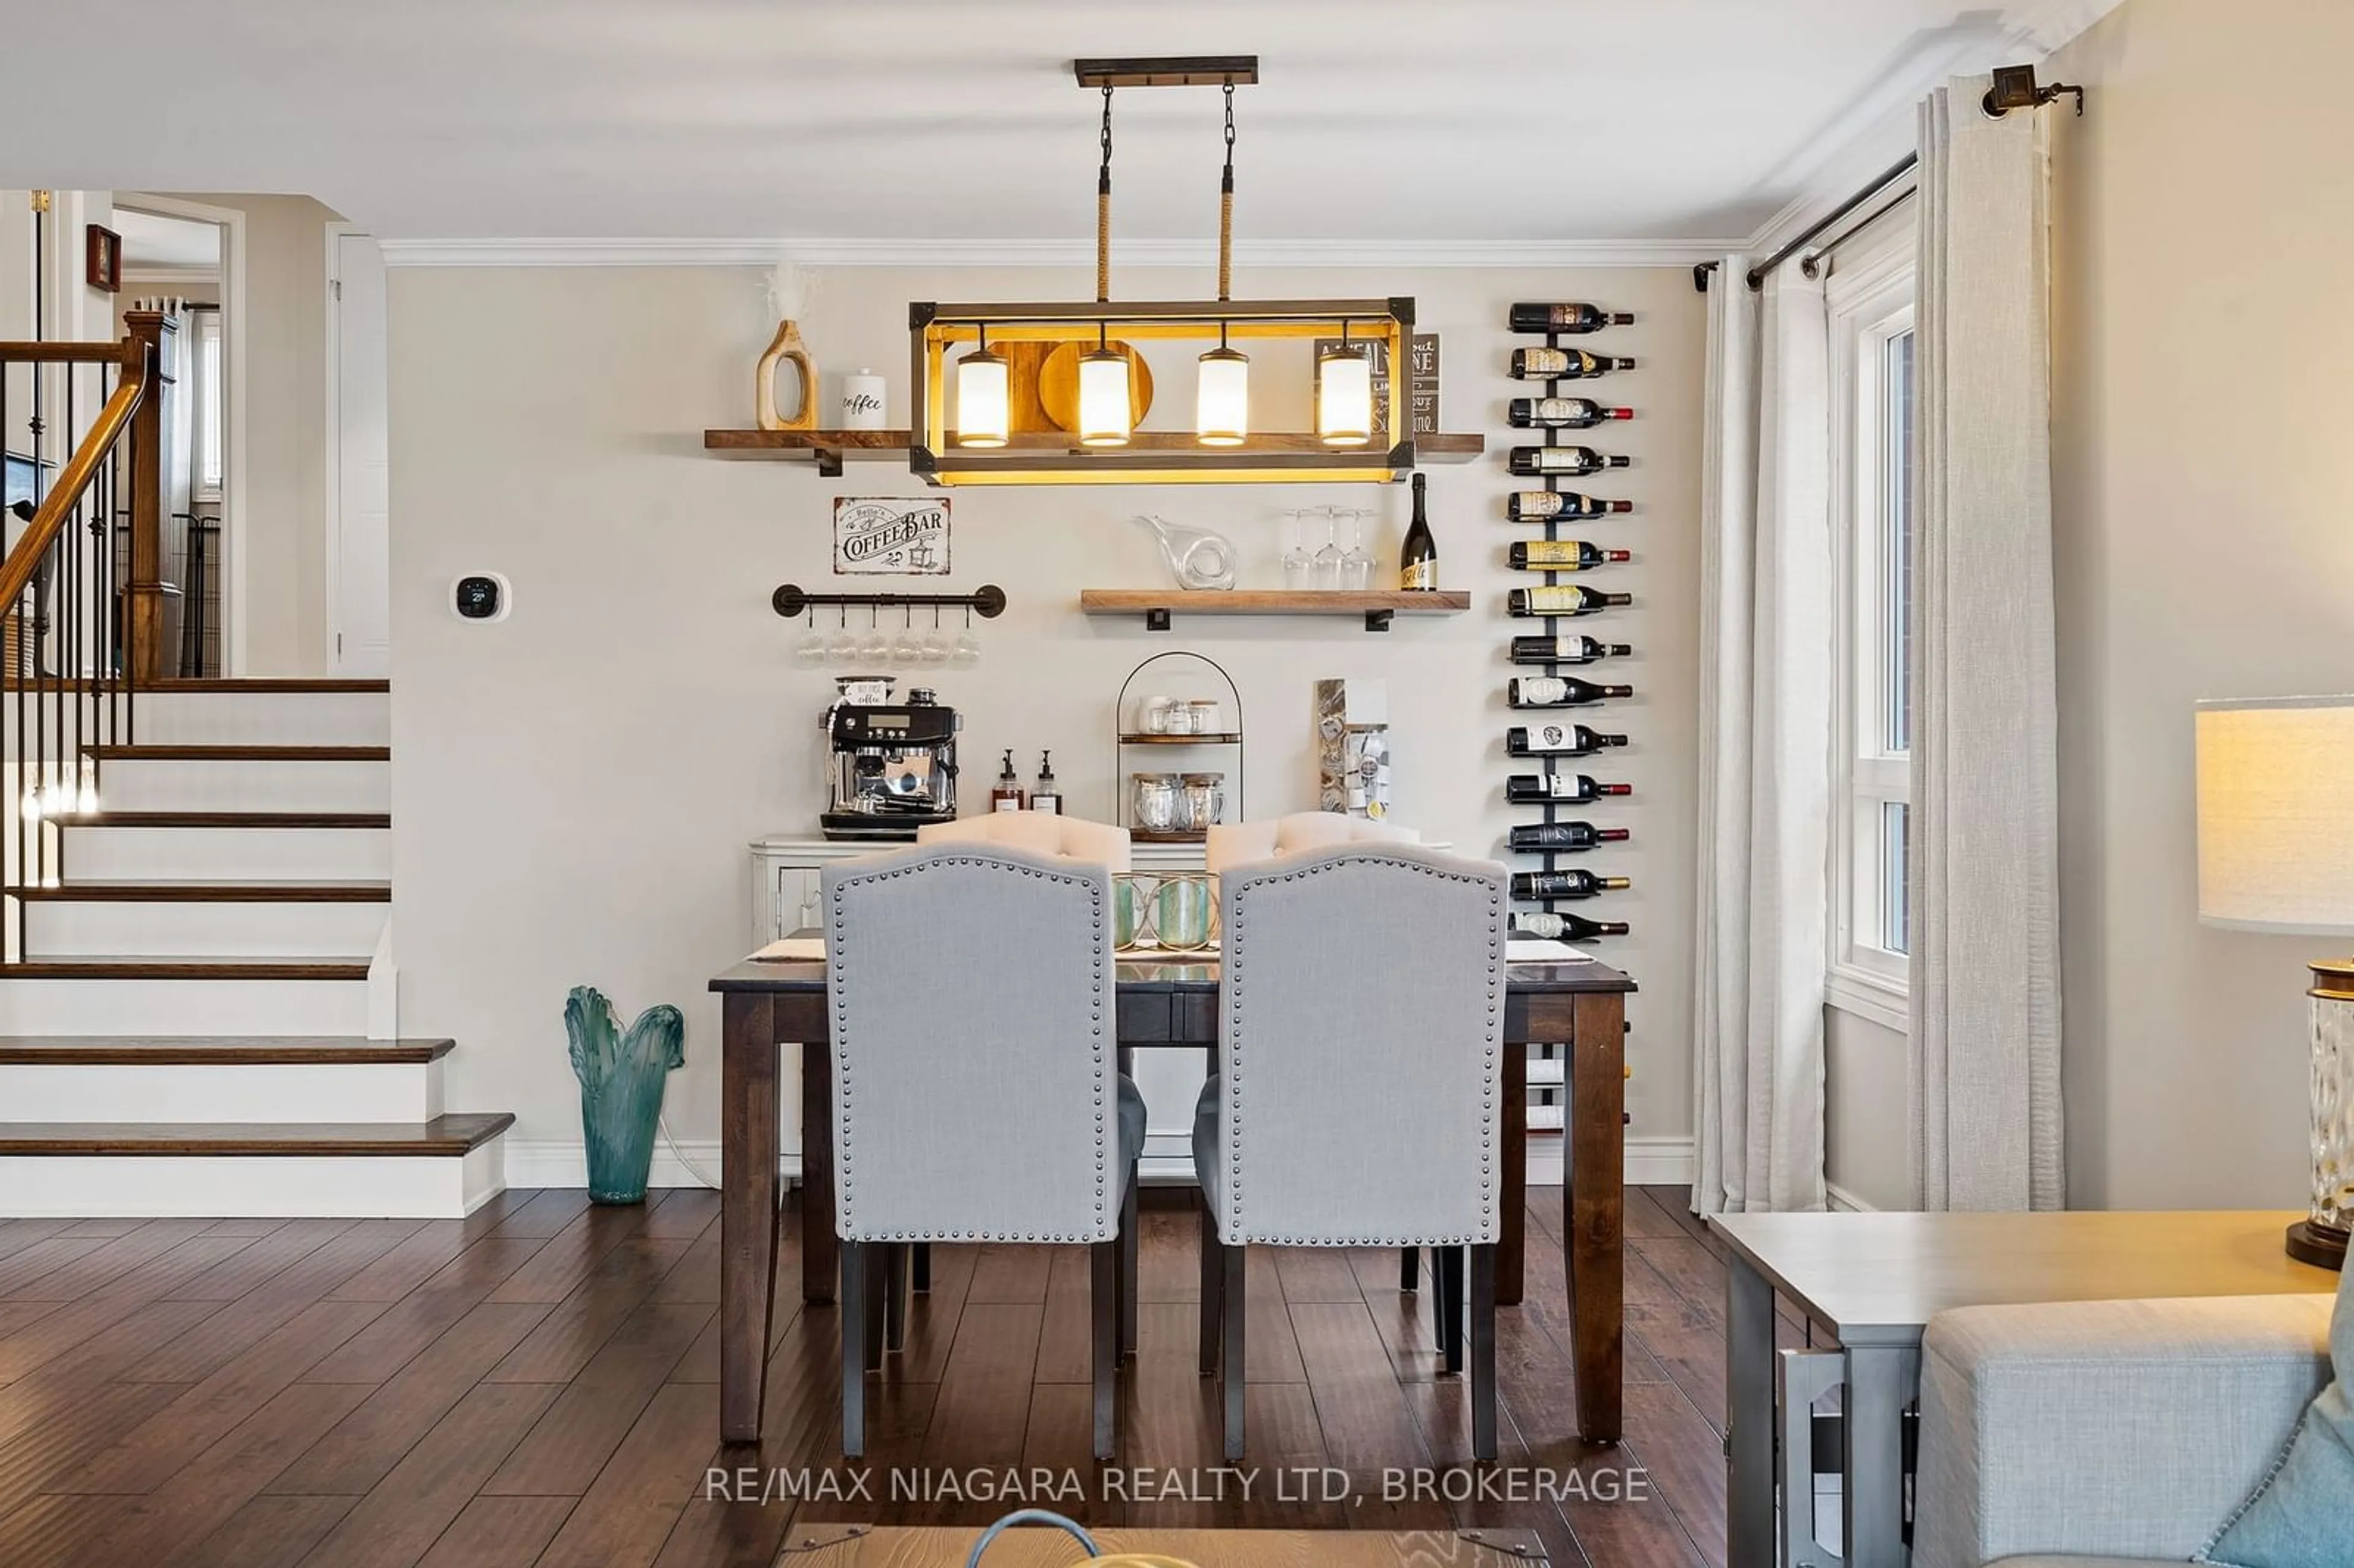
233, 470
333, 547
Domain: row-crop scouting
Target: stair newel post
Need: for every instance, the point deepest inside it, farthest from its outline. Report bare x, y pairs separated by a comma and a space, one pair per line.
143, 589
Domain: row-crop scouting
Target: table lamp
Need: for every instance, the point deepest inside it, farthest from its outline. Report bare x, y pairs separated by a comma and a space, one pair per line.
2276, 854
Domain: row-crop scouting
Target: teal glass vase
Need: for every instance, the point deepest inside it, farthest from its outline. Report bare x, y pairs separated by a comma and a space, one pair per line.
621, 1075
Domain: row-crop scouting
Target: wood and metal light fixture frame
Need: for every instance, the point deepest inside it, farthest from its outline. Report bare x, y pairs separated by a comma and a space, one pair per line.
936, 329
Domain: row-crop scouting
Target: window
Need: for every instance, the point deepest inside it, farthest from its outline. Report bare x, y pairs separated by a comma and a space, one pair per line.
205, 323
1872, 298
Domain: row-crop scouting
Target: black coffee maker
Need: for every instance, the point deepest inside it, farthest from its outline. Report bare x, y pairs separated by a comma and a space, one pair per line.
894, 764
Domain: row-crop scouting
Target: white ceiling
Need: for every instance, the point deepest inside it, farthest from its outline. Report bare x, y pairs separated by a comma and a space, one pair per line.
1466, 119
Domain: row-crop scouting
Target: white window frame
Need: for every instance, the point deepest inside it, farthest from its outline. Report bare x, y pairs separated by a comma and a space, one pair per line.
208, 383
1870, 297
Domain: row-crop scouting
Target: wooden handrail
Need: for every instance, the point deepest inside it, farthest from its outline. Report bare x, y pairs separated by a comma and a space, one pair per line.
81, 471
23, 353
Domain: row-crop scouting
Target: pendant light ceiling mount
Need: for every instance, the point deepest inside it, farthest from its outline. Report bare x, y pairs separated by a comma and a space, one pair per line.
986, 446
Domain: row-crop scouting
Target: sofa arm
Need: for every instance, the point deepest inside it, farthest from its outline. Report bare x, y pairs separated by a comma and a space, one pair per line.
2106, 1428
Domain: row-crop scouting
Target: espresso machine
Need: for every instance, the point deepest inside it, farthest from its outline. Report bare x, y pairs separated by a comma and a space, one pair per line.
894, 764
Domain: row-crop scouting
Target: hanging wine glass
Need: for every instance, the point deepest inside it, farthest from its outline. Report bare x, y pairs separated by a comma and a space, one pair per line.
967, 646
936, 643
1357, 562
1298, 567
874, 648
1328, 555
844, 647
810, 652
907, 648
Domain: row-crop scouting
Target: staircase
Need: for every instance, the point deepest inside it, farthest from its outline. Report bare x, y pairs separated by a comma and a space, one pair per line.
194, 881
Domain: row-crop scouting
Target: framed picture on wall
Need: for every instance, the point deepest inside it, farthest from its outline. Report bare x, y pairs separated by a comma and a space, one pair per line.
891, 534
101, 258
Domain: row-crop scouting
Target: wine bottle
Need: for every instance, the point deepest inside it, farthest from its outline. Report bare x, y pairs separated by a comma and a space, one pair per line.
1573, 650
1559, 692
1575, 882
1418, 557
1543, 505
1548, 926
1562, 599
1560, 413
1565, 317
1558, 740
1535, 461
1562, 555
1532, 837
1563, 364
1559, 789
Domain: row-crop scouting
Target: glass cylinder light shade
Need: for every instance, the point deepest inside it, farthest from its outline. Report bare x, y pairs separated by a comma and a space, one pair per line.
1344, 396
983, 404
1222, 398
1105, 418
2276, 854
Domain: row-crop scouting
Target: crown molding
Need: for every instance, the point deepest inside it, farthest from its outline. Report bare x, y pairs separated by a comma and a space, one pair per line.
1076, 252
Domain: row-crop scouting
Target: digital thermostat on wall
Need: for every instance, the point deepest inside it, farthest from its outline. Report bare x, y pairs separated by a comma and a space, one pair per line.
480, 596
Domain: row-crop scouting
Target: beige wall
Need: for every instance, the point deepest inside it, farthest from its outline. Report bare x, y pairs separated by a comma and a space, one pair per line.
280, 556
2203, 549
575, 786
1866, 1155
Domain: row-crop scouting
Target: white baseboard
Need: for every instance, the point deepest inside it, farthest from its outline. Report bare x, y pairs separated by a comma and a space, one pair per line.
250, 1186
564, 1162
1844, 1201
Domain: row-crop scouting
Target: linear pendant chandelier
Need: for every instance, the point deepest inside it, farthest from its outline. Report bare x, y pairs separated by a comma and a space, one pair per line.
1014, 368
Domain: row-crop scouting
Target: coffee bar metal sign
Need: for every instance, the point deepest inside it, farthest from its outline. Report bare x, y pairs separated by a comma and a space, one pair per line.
890, 535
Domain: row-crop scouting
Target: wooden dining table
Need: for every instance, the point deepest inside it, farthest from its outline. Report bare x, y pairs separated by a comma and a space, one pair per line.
1165, 1003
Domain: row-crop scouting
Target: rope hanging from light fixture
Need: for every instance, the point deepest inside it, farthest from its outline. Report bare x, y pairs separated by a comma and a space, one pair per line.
1103, 209
1226, 207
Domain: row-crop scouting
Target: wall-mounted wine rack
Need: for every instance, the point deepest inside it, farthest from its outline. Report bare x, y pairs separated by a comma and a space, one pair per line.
1552, 764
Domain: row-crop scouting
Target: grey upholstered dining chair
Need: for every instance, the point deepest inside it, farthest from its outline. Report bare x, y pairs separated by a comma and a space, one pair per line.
977, 1096
1360, 1081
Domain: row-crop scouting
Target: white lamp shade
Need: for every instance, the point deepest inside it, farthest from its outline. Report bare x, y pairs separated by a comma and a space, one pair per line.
2276, 814
1222, 399
1105, 419
1344, 397
983, 404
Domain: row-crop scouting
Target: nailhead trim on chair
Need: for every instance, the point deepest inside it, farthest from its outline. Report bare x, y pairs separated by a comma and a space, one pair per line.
1232, 1227
840, 1011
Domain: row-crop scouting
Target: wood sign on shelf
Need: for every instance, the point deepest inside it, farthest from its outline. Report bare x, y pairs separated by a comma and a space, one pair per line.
890, 535
1422, 391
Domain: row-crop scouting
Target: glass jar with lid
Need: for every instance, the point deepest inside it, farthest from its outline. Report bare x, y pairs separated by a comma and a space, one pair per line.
1203, 802
1156, 803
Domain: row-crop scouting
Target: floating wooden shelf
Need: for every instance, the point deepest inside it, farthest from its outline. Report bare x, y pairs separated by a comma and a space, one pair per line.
1224, 738
1174, 836
1377, 606
830, 449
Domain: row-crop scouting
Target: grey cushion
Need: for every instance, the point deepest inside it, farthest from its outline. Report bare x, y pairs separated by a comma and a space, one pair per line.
1131, 1122
2302, 1515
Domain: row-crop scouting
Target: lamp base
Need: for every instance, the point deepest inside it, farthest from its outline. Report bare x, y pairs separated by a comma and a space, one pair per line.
2320, 1245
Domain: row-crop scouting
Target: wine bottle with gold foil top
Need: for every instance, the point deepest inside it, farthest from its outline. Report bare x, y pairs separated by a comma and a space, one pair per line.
1562, 555
1563, 364
1560, 413
1567, 317
1575, 881
1418, 557
1563, 505
1562, 599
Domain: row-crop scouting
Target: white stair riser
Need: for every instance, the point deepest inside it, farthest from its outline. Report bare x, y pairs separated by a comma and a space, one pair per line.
259, 930
237, 1186
227, 1092
182, 1007
227, 855
145, 784
261, 718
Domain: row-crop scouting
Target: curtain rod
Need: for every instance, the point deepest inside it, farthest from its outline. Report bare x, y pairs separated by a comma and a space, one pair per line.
1813, 262
1887, 177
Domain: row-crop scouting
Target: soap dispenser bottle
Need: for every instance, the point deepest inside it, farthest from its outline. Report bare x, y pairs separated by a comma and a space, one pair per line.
1007, 796
1048, 795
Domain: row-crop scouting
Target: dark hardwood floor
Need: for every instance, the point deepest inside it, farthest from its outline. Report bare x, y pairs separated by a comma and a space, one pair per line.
536, 1385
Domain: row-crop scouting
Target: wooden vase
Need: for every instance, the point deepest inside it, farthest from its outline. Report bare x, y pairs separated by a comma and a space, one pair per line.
786, 345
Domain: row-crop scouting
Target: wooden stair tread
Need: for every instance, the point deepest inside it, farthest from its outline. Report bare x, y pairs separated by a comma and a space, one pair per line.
106, 891
240, 752
443, 1136
262, 683
232, 819
226, 1050
109, 967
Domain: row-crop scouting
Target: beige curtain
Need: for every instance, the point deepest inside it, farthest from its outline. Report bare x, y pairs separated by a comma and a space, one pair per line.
1985, 1081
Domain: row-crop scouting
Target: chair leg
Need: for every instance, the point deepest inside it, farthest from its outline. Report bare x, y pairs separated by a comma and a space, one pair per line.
1409, 1269
852, 1312
1213, 1285
1104, 1314
876, 1327
1483, 1352
923, 1269
1451, 1307
1127, 1247
1231, 1315
895, 1296
1438, 1298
